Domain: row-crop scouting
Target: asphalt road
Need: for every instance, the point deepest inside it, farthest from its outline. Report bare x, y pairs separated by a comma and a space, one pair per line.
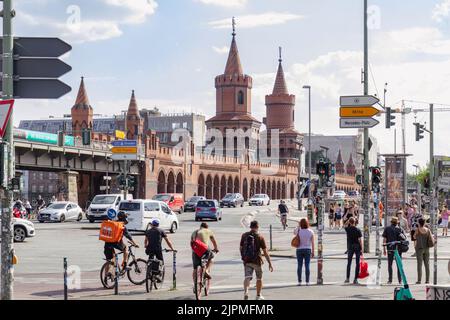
39, 274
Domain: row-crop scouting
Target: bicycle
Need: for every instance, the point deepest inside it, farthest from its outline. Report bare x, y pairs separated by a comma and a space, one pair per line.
202, 283
284, 221
136, 269
156, 271
400, 293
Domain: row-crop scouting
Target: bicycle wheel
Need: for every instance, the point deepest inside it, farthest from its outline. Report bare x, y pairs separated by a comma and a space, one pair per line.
138, 272
198, 283
149, 281
108, 281
158, 284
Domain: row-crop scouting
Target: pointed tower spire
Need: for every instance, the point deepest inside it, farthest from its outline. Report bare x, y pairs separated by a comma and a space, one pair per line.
234, 62
82, 100
280, 86
133, 109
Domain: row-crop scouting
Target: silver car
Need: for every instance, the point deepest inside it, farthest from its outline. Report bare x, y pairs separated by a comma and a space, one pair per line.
60, 212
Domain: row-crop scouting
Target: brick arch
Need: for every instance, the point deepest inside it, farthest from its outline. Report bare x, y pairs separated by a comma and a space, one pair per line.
292, 190
201, 185
162, 182
268, 190
252, 188
278, 190
283, 190
230, 184
236, 185
171, 182
216, 188
209, 187
223, 186
258, 187
245, 189
179, 183
263, 186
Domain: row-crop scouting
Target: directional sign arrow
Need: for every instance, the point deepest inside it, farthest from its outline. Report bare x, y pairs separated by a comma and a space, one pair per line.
355, 123
39, 89
358, 112
124, 150
6, 107
39, 47
39, 68
358, 101
124, 143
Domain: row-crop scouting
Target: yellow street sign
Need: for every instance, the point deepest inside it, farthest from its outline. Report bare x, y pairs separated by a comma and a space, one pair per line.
358, 112
120, 134
124, 150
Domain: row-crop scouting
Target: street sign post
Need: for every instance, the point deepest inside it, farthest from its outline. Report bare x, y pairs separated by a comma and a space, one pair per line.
39, 47
124, 143
122, 157
358, 101
6, 107
358, 123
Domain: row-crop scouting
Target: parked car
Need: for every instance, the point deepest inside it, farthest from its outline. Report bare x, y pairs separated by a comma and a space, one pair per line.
353, 193
232, 200
98, 209
175, 201
259, 200
142, 212
192, 203
208, 209
60, 212
339, 195
22, 229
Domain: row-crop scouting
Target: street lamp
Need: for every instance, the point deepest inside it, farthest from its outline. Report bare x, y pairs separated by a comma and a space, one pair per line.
300, 151
309, 142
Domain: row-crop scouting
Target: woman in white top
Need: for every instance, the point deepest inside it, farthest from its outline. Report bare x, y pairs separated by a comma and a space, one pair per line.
305, 251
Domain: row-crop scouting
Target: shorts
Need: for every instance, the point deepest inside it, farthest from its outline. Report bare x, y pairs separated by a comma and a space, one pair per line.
445, 223
157, 254
337, 217
249, 268
109, 249
197, 262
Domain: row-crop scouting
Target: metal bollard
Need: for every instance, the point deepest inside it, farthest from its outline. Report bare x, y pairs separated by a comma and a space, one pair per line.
116, 278
65, 279
271, 247
174, 270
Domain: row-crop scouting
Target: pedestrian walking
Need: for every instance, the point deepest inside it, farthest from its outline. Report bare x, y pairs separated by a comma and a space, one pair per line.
354, 248
393, 233
305, 249
331, 216
29, 208
424, 241
414, 223
338, 217
444, 216
251, 245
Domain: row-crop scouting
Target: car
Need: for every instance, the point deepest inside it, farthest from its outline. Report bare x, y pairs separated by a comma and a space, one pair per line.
339, 195
60, 212
22, 229
353, 193
192, 203
98, 209
175, 201
141, 213
208, 209
259, 200
232, 200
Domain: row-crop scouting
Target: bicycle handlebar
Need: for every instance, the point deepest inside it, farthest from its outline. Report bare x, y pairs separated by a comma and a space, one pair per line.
168, 250
394, 243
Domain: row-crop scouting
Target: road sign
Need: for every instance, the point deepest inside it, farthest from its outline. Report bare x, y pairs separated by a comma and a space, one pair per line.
358, 112
39, 47
39, 68
124, 143
358, 123
359, 101
6, 107
121, 157
39, 89
112, 214
124, 150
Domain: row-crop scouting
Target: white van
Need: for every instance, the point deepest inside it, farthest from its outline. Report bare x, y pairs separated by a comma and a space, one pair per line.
141, 213
98, 209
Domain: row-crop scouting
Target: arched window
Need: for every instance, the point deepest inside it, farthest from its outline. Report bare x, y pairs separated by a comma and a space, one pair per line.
241, 97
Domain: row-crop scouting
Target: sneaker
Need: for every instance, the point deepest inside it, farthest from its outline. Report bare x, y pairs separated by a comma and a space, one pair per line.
389, 283
355, 281
308, 284
260, 298
246, 296
299, 284
413, 255
347, 281
418, 282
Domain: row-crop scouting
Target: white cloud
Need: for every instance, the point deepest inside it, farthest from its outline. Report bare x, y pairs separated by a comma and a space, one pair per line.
221, 50
257, 20
224, 3
138, 10
441, 11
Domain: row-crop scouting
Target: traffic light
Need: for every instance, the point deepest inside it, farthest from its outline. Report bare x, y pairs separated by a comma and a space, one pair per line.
376, 178
419, 131
86, 137
389, 118
61, 138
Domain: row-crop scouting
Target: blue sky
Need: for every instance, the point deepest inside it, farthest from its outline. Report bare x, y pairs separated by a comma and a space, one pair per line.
169, 51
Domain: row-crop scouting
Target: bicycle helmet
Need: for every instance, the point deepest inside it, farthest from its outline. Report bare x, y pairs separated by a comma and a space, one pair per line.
122, 216
155, 223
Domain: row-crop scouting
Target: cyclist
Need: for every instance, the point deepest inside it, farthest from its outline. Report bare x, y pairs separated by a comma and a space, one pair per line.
205, 235
153, 240
283, 211
40, 204
109, 247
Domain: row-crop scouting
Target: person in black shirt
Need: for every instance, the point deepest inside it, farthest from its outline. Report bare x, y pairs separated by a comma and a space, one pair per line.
153, 240
354, 247
390, 234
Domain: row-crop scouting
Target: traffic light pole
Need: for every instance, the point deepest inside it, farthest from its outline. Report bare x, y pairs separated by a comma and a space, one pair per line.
433, 202
7, 248
366, 140
378, 248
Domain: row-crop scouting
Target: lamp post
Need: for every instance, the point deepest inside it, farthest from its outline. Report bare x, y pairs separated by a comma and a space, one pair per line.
299, 143
309, 142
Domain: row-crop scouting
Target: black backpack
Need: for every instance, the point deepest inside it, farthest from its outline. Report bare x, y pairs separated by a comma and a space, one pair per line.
404, 245
250, 251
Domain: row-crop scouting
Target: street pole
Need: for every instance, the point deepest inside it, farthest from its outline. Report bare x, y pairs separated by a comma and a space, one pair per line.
366, 139
125, 162
7, 248
378, 249
320, 227
433, 206
299, 199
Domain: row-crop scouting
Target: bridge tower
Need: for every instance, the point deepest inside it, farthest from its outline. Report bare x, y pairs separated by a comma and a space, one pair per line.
82, 112
135, 124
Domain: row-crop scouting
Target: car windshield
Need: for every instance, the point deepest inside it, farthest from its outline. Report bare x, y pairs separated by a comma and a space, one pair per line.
130, 206
57, 206
228, 196
161, 197
206, 204
258, 196
194, 199
104, 200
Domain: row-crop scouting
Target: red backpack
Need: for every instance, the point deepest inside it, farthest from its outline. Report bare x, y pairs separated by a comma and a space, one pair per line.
198, 247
